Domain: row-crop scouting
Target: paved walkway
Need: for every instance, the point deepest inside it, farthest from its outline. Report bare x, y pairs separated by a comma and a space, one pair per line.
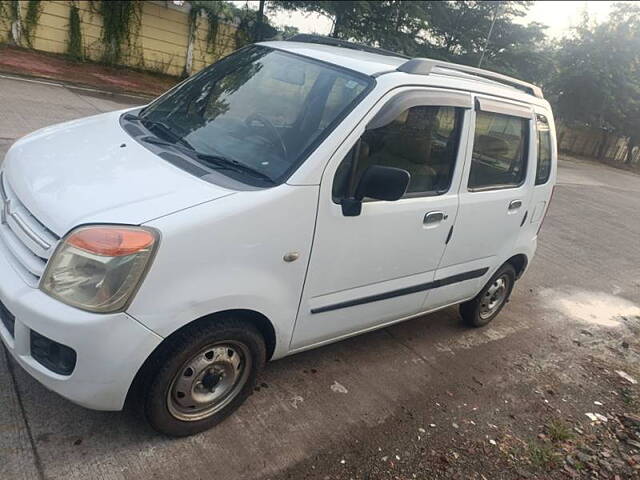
26, 105
32, 64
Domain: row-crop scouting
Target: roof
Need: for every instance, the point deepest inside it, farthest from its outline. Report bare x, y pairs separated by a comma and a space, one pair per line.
360, 61
374, 62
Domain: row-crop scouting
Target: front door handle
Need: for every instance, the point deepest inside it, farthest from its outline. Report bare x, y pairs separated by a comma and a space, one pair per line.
515, 205
434, 218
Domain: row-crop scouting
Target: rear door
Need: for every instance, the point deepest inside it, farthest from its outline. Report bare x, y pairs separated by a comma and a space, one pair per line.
494, 198
377, 267
545, 174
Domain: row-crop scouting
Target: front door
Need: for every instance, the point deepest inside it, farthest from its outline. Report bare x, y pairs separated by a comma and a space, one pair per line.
378, 266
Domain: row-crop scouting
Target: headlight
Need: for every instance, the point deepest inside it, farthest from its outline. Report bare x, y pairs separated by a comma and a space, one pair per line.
99, 267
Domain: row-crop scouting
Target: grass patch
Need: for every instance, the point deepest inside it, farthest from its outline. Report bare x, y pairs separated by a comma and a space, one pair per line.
542, 457
558, 431
628, 398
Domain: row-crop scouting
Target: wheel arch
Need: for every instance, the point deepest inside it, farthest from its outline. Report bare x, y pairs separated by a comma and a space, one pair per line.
257, 319
519, 263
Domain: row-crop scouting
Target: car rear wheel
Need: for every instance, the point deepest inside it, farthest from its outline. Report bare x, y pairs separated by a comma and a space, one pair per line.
203, 376
479, 311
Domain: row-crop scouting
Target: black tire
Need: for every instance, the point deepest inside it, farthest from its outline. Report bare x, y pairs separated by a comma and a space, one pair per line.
156, 390
475, 312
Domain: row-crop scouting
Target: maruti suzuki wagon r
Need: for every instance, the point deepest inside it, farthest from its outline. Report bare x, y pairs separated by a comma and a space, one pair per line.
293, 194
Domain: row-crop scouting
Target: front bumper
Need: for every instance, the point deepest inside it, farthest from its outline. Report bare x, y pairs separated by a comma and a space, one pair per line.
110, 348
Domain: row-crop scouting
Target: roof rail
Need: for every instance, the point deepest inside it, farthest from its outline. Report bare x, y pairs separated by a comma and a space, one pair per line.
425, 66
335, 42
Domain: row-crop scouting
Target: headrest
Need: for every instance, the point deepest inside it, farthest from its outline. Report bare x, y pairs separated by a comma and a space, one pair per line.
410, 136
492, 146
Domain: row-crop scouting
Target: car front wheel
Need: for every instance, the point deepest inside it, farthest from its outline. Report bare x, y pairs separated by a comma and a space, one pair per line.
203, 375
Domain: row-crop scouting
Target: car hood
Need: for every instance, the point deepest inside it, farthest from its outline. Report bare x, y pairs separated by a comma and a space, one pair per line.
91, 171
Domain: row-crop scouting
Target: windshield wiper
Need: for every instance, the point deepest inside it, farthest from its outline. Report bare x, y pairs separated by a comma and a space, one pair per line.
220, 161
160, 141
131, 117
167, 131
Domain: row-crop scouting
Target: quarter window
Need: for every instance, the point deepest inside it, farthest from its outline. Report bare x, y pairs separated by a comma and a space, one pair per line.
499, 151
422, 140
543, 168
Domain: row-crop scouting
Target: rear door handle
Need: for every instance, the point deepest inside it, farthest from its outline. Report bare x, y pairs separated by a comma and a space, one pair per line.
515, 205
434, 218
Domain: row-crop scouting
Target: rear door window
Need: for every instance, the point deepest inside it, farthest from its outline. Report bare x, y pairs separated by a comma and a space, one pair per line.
499, 158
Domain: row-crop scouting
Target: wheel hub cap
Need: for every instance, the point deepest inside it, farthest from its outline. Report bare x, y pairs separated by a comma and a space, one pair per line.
208, 381
494, 297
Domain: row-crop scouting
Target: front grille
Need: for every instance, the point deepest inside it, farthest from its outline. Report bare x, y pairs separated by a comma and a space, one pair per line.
28, 241
8, 319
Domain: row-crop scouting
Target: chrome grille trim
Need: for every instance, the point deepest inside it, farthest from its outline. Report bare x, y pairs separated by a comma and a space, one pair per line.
31, 262
29, 232
26, 228
27, 241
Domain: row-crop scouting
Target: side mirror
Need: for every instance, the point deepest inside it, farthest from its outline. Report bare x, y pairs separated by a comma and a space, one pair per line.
379, 183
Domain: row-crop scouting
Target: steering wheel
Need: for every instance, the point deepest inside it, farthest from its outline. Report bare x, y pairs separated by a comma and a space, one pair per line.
275, 135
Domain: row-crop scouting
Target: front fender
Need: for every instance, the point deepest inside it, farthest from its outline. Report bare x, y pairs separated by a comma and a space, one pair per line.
228, 254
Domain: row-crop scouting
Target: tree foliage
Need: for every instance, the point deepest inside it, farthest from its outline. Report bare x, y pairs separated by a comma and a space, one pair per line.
346, 16
251, 26
34, 9
74, 41
214, 12
10, 14
120, 25
591, 76
448, 30
459, 31
597, 77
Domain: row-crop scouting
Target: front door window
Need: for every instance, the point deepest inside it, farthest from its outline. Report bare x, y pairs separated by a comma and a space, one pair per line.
422, 140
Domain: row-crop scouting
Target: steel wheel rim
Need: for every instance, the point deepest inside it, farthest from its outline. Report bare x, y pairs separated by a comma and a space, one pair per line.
494, 297
209, 381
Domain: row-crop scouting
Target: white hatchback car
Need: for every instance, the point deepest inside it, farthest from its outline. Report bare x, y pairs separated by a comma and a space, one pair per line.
293, 194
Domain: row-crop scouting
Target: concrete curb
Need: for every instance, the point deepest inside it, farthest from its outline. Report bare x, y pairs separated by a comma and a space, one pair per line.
72, 86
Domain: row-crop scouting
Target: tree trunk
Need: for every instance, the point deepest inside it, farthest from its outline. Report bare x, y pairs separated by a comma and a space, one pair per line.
338, 24
16, 24
573, 145
259, 22
560, 138
334, 30
633, 142
188, 64
604, 146
16, 32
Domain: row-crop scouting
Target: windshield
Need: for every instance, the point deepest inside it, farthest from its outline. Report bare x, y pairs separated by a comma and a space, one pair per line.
260, 109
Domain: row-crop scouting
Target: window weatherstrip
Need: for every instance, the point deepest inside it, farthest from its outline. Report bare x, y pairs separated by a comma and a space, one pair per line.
461, 277
504, 108
418, 98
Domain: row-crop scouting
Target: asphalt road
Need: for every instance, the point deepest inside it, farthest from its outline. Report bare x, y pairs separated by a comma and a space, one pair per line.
429, 379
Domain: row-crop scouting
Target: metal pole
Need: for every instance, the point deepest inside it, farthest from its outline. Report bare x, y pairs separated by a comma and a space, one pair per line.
486, 43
